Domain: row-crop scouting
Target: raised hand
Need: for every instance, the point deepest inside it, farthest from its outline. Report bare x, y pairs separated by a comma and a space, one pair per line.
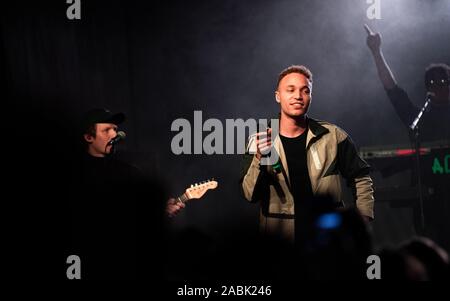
373, 39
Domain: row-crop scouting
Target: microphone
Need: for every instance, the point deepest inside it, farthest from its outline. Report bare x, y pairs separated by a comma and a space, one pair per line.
430, 94
252, 149
120, 136
428, 98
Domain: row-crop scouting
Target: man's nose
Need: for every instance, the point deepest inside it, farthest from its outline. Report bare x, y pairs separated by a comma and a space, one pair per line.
298, 94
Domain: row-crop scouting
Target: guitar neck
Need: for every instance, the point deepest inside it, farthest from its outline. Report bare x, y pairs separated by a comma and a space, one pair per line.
183, 198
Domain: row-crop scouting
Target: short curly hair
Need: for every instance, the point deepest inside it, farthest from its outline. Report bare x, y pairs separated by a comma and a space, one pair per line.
295, 69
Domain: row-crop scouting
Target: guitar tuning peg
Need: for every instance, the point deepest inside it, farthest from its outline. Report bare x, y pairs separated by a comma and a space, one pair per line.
192, 185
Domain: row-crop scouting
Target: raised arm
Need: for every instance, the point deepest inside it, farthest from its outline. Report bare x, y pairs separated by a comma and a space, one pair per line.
384, 72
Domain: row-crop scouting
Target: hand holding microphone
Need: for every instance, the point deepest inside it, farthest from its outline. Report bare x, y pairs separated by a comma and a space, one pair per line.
263, 143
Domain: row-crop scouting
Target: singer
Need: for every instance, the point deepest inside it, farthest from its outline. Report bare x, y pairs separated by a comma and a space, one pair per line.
435, 123
104, 195
432, 119
312, 155
100, 131
117, 210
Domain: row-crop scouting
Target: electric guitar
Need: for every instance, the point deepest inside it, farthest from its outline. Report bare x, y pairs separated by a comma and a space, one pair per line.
197, 190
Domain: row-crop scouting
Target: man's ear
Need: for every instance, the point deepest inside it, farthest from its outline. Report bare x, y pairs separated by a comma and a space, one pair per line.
277, 97
88, 138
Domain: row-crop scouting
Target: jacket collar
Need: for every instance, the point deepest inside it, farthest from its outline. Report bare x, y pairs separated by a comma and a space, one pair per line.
313, 125
316, 128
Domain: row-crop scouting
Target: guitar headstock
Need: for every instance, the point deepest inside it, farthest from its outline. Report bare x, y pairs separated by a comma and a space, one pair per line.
197, 190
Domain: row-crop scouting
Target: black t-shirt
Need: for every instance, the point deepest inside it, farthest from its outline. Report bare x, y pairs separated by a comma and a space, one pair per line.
115, 216
435, 122
300, 183
295, 150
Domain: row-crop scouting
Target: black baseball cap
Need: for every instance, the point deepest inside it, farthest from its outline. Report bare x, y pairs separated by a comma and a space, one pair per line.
101, 116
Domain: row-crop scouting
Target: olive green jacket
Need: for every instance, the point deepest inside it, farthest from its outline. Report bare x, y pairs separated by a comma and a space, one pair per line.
330, 154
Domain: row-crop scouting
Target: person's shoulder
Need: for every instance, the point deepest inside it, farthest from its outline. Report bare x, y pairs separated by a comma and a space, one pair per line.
329, 127
323, 123
318, 123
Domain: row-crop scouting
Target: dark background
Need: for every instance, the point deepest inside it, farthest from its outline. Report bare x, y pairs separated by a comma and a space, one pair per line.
157, 61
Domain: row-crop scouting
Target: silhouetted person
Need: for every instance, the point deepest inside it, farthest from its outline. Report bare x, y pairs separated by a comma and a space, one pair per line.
434, 128
117, 210
336, 243
419, 259
432, 257
435, 123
